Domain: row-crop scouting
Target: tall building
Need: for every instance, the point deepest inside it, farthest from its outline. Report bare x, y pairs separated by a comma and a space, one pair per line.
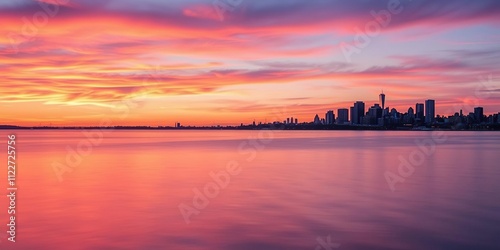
430, 111
419, 111
317, 121
410, 116
343, 116
374, 113
382, 100
479, 114
357, 112
411, 112
351, 111
329, 118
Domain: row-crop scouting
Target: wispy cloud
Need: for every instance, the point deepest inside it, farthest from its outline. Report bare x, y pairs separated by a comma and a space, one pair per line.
99, 52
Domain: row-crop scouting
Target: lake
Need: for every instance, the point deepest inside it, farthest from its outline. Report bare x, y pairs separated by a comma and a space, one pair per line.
197, 189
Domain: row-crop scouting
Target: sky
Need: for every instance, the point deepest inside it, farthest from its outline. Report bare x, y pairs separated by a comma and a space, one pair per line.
225, 62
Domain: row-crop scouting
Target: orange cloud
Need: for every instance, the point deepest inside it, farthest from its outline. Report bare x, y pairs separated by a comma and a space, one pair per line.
86, 60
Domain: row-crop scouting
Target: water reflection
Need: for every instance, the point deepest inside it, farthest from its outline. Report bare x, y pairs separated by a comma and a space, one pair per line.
298, 187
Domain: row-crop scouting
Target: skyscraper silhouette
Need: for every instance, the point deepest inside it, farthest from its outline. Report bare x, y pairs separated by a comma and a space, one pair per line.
382, 100
317, 121
343, 116
430, 111
330, 118
419, 111
478, 114
357, 112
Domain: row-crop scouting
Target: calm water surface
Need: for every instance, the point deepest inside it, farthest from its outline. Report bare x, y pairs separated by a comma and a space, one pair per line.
293, 188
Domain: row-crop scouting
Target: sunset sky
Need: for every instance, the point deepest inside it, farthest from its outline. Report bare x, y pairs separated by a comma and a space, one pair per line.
194, 62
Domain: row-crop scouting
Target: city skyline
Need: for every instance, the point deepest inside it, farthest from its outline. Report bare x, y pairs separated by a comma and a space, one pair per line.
72, 62
421, 114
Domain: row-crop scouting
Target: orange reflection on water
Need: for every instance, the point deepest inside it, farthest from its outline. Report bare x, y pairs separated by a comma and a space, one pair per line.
125, 194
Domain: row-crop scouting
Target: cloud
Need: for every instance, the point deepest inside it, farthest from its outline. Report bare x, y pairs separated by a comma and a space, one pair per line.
99, 52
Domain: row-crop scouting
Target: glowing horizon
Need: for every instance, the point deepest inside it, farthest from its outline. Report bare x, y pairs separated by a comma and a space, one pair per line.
73, 62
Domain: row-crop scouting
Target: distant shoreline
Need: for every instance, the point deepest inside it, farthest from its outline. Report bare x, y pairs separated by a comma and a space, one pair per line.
300, 127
